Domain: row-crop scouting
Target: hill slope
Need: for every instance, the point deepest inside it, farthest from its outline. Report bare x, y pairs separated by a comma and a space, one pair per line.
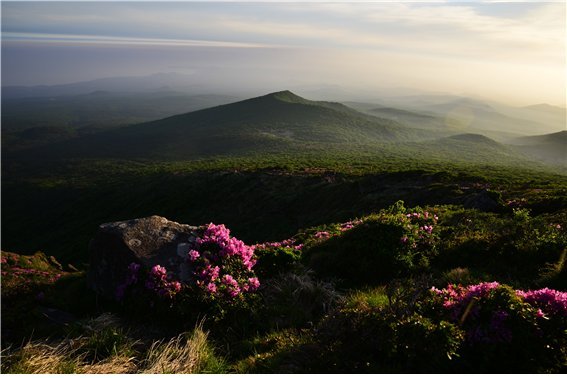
280, 121
550, 148
100, 109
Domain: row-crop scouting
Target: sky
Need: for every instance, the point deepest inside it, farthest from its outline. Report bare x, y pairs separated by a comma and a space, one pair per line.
508, 51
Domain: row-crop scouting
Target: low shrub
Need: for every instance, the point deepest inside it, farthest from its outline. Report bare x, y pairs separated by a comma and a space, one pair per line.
364, 340
395, 242
482, 328
276, 258
500, 322
517, 248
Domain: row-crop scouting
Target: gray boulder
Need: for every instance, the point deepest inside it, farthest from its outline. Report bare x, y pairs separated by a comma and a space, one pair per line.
146, 241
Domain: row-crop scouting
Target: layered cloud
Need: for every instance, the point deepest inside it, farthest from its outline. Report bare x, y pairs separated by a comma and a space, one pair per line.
447, 45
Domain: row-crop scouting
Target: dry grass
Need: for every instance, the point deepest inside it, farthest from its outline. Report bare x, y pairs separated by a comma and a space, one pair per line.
41, 358
188, 353
181, 355
112, 365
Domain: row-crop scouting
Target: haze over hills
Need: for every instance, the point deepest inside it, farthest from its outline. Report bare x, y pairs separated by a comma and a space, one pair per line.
277, 123
150, 83
126, 100
501, 121
76, 120
280, 121
551, 148
101, 109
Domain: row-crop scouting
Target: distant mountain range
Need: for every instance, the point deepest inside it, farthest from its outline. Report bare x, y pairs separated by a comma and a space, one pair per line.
117, 101
101, 109
150, 83
277, 123
551, 148
280, 121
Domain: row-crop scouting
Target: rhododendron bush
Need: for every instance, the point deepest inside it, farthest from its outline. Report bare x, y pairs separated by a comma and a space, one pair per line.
220, 270
498, 320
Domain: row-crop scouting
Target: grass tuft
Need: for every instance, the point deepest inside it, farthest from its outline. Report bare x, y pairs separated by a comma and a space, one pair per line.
184, 354
40, 358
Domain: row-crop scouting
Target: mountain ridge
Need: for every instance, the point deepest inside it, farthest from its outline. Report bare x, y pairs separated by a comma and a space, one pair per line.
278, 121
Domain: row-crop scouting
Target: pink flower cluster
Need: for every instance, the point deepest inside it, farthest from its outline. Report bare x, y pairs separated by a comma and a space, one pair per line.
457, 297
426, 228
193, 255
287, 243
425, 215
419, 228
350, 224
30, 275
548, 301
459, 301
219, 235
322, 235
222, 264
159, 282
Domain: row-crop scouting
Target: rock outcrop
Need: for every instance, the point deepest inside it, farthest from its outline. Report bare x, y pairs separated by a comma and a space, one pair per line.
483, 201
147, 241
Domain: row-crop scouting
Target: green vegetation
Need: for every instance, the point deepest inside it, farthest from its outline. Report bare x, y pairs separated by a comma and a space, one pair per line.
356, 219
99, 109
330, 320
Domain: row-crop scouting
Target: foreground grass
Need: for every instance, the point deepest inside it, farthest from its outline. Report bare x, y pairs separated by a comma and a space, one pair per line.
107, 349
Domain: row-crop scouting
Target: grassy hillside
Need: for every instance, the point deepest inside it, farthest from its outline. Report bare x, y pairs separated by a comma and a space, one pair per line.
265, 197
100, 109
550, 148
269, 165
346, 270
277, 122
439, 289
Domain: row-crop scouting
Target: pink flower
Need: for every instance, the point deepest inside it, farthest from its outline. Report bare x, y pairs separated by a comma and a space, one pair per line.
540, 313
194, 255
175, 286
210, 273
158, 270
211, 288
552, 301
228, 280
254, 283
322, 235
233, 291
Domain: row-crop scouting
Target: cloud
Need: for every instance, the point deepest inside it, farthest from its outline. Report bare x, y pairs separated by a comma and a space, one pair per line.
110, 40
456, 45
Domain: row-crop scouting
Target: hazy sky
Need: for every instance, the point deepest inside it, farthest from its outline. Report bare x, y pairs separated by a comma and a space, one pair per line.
514, 52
